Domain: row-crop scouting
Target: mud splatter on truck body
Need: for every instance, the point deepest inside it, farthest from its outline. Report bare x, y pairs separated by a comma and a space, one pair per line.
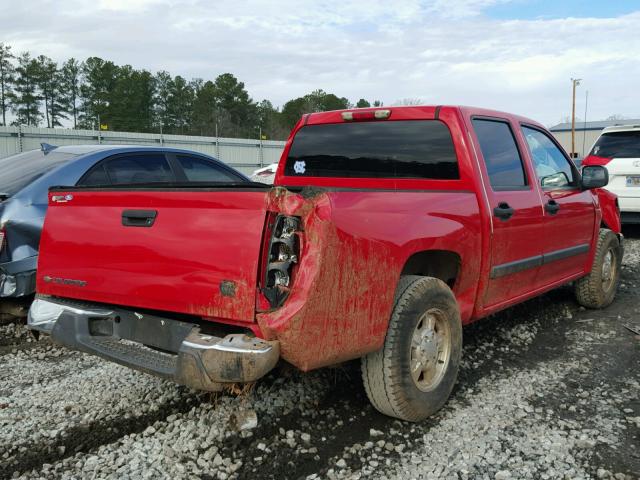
339, 306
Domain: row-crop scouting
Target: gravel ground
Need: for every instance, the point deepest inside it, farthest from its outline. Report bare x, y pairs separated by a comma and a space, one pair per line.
547, 390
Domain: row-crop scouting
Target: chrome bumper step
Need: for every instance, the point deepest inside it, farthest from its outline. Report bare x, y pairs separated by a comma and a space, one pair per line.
181, 352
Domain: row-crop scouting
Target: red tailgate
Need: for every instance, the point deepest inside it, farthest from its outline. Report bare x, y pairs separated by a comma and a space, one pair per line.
199, 255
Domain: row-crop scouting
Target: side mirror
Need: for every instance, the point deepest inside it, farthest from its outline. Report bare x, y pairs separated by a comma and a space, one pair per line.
594, 176
556, 180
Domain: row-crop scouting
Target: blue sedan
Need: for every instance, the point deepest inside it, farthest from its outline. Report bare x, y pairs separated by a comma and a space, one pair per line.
25, 179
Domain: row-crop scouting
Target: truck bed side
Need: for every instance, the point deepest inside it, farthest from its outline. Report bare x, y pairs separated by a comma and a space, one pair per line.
355, 247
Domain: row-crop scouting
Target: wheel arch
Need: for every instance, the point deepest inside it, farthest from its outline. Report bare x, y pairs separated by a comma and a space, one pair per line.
442, 264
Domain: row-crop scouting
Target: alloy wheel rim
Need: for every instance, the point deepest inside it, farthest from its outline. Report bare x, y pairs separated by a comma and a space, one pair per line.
430, 349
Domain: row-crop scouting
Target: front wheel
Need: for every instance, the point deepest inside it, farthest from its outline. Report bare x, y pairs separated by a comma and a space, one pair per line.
412, 376
598, 289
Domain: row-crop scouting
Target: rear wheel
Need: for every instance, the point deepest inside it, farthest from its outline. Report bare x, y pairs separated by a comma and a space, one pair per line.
598, 289
412, 376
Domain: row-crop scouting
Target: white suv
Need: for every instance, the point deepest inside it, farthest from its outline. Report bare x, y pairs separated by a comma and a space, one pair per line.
618, 148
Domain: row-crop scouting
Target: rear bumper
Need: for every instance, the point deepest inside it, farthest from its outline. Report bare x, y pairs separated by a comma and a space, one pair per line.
18, 278
179, 351
629, 203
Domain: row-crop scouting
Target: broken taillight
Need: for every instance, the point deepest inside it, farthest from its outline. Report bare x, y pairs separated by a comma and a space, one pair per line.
2, 235
282, 255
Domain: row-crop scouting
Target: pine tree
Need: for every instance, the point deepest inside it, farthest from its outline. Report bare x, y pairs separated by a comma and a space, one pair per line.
234, 111
270, 121
7, 71
51, 83
316, 101
96, 92
71, 83
131, 101
180, 106
25, 98
125, 98
164, 84
204, 116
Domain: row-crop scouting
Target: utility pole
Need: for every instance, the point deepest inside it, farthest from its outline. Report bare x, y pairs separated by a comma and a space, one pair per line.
584, 128
575, 82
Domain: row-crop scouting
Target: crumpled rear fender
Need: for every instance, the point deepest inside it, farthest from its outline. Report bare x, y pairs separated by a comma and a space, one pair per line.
353, 246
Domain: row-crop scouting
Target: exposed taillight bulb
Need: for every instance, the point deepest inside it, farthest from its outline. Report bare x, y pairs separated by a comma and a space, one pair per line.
281, 279
285, 254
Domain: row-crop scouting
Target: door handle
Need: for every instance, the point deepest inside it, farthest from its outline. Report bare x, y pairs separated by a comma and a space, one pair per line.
503, 211
139, 218
552, 207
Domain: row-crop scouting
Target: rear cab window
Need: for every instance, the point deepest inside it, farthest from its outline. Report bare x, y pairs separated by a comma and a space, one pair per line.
618, 145
400, 149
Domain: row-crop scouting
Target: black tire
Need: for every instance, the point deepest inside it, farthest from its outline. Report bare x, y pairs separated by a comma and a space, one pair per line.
386, 373
596, 290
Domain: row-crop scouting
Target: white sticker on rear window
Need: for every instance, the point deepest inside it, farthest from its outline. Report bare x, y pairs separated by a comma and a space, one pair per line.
299, 167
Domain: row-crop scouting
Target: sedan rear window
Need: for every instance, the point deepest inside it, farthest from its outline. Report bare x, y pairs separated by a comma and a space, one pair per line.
200, 170
387, 149
618, 145
18, 171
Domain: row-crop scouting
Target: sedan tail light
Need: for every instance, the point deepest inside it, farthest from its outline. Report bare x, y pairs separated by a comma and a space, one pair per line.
595, 160
2, 239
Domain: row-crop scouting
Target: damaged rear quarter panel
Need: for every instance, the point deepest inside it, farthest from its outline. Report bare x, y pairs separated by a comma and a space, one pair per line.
354, 245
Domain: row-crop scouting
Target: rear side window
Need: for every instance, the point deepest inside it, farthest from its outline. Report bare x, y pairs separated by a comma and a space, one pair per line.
500, 153
201, 170
132, 169
387, 149
618, 145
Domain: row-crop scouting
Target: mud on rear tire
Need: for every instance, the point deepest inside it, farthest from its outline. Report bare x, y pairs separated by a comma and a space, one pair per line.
386, 374
596, 290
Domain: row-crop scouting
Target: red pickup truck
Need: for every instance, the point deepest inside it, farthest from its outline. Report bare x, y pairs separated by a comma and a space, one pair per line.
386, 231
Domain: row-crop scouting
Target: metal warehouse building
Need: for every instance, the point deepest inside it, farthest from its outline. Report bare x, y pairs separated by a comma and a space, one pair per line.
586, 133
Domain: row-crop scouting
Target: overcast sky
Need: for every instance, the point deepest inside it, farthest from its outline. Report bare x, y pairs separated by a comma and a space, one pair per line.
514, 55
